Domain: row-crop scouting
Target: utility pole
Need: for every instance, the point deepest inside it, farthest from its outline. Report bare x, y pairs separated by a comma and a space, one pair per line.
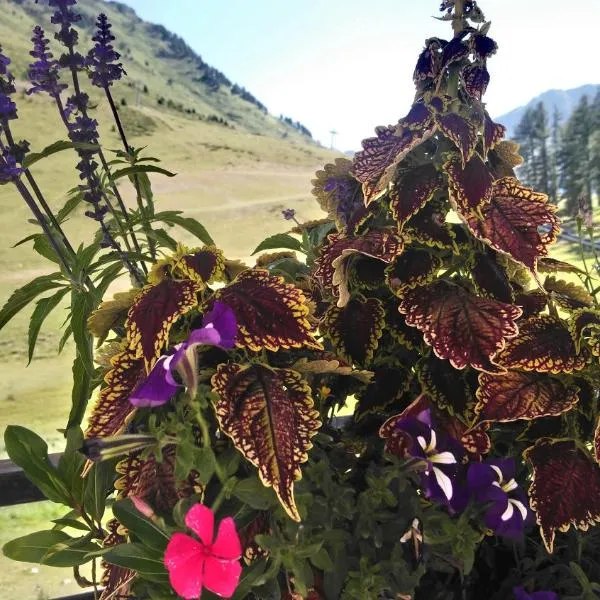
333, 133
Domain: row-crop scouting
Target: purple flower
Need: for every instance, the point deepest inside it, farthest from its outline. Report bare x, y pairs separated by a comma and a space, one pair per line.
521, 594
65, 17
8, 109
219, 328
493, 483
346, 191
442, 457
288, 214
9, 171
102, 59
43, 73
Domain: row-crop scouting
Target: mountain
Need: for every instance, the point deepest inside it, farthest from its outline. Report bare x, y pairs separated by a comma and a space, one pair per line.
163, 70
564, 100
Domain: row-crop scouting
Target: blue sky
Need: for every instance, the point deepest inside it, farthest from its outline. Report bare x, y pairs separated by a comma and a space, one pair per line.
347, 64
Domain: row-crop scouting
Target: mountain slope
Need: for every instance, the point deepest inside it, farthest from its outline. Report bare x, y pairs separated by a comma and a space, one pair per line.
564, 100
163, 71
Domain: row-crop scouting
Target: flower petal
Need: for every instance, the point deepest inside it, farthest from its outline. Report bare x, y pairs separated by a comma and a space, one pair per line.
201, 520
227, 545
444, 482
184, 559
221, 576
223, 320
155, 390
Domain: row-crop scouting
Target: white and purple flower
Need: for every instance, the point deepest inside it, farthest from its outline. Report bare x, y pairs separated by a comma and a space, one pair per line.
219, 329
494, 483
521, 594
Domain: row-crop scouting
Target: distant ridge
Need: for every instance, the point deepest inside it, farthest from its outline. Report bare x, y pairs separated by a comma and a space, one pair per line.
564, 100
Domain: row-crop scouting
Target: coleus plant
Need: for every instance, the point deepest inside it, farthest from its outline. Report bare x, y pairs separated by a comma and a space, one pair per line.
385, 418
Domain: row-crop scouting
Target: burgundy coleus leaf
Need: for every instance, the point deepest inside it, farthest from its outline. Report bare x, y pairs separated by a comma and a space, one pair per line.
446, 386
114, 578
368, 273
583, 322
201, 264
490, 278
270, 313
476, 79
568, 295
459, 326
454, 50
513, 220
412, 190
429, 227
251, 550
429, 61
414, 267
516, 395
565, 488
483, 46
386, 388
532, 303
269, 414
493, 133
154, 311
356, 328
112, 410
544, 345
462, 132
395, 324
339, 194
470, 187
597, 441
333, 263
552, 265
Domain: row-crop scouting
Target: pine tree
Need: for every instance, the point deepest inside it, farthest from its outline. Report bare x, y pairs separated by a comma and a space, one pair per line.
555, 141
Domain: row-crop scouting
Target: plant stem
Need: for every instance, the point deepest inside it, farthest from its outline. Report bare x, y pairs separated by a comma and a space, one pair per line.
138, 191
458, 22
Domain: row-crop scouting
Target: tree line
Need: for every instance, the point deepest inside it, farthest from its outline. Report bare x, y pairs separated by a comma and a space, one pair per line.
562, 159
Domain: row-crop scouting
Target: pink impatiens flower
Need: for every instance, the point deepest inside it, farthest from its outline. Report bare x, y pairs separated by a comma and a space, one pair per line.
214, 565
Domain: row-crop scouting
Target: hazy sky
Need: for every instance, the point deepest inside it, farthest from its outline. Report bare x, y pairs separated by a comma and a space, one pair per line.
347, 64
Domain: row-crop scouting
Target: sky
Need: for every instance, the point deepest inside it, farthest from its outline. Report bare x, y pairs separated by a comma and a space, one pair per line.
347, 64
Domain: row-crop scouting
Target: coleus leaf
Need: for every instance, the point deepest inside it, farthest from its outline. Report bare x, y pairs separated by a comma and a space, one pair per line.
388, 386
333, 262
429, 61
111, 313
516, 395
338, 193
113, 409
544, 345
153, 313
270, 416
429, 227
202, 265
470, 187
568, 295
581, 323
512, 221
492, 135
367, 273
356, 328
270, 313
490, 278
412, 190
552, 265
532, 303
476, 78
412, 268
330, 366
462, 132
395, 324
461, 327
597, 441
565, 488
504, 158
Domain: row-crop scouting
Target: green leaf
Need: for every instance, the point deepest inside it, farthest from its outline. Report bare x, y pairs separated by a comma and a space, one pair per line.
253, 493
99, 483
173, 217
82, 306
80, 394
163, 238
127, 171
147, 531
23, 296
205, 463
279, 240
109, 275
65, 337
59, 146
44, 248
84, 257
42, 309
322, 560
72, 523
33, 547
138, 558
69, 553
70, 205
146, 189
71, 463
30, 452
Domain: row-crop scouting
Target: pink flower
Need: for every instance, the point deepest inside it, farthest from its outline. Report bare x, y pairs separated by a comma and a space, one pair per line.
194, 564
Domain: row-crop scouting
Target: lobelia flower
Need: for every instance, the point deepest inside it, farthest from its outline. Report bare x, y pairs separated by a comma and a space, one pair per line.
219, 328
67, 36
43, 73
521, 594
194, 564
442, 455
493, 482
102, 58
288, 214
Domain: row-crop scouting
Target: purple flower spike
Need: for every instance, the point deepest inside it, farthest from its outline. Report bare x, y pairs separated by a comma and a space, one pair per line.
102, 59
521, 594
442, 457
219, 328
8, 109
9, 171
43, 73
67, 36
493, 483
